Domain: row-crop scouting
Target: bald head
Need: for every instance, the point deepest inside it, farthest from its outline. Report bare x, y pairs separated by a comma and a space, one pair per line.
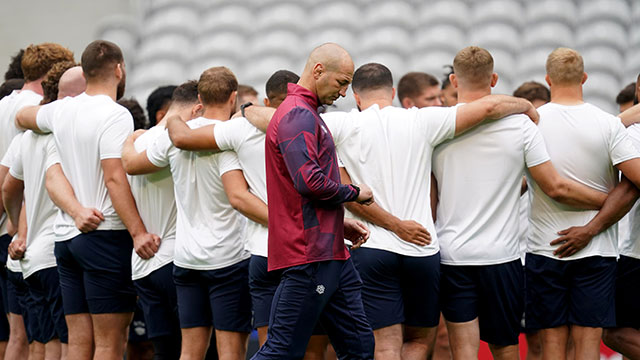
72, 83
328, 72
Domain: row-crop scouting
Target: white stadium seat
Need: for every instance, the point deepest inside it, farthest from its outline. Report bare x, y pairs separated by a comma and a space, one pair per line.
389, 38
532, 61
431, 62
611, 10
166, 45
120, 29
603, 32
439, 36
394, 61
632, 63
258, 70
158, 71
227, 43
498, 11
603, 59
554, 34
228, 17
276, 42
563, 11
504, 64
288, 15
344, 37
602, 84
176, 17
496, 35
200, 64
343, 15
394, 13
451, 12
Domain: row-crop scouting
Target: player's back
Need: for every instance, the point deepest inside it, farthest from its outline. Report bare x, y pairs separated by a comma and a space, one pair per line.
479, 175
9, 107
584, 143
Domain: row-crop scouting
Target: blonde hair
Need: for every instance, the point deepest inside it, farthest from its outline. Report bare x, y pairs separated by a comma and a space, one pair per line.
565, 67
473, 67
216, 85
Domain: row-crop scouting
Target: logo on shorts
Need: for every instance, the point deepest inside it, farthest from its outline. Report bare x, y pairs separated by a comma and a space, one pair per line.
320, 289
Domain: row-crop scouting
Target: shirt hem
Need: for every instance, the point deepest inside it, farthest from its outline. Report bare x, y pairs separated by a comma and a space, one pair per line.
147, 272
475, 263
431, 251
26, 274
209, 267
573, 257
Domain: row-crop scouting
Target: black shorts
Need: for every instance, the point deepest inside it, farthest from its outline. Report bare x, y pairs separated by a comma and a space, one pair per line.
21, 303
491, 293
4, 306
95, 273
159, 302
262, 285
217, 297
44, 289
399, 289
628, 293
571, 292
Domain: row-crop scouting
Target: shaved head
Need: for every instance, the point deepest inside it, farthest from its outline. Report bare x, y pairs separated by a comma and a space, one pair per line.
328, 72
72, 83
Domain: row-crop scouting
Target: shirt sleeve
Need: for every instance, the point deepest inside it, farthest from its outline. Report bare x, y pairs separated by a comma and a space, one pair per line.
229, 134
12, 151
338, 124
298, 143
437, 123
634, 135
52, 156
535, 150
118, 128
16, 169
228, 161
158, 152
45, 116
621, 147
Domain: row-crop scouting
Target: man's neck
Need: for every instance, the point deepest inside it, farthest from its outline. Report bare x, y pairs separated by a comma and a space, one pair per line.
466, 96
382, 102
102, 88
566, 95
307, 82
214, 112
35, 86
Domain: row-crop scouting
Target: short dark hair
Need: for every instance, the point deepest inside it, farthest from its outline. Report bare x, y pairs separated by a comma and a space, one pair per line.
15, 67
627, 94
533, 90
216, 85
414, 83
158, 99
446, 82
51, 80
98, 56
38, 59
186, 93
139, 119
372, 76
277, 83
8, 86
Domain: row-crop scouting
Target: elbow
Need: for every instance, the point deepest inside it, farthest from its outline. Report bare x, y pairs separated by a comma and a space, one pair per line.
179, 140
559, 192
491, 109
236, 201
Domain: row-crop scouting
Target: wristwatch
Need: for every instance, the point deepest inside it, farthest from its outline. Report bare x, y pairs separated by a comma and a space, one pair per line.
244, 106
357, 190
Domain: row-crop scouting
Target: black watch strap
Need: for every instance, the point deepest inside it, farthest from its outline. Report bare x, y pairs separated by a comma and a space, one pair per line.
244, 106
357, 191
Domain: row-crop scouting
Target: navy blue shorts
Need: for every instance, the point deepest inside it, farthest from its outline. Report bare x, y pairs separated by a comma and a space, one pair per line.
574, 292
159, 302
44, 289
138, 326
4, 306
399, 289
628, 292
262, 286
214, 297
329, 292
491, 293
95, 273
20, 303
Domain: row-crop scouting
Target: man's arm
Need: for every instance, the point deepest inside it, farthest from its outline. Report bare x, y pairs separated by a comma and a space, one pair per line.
259, 116
564, 190
26, 118
19, 245
133, 162
3, 174
145, 244
12, 197
63, 196
185, 138
242, 199
434, 197
492, 107
407, 230
618, 203
630, 116
631, 170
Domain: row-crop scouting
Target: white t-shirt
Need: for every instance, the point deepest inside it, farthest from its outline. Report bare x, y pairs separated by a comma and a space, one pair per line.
210, 234
36, 153
87, 129
7, 161
157, 207
479, 176
584, 143
390, 150
248, 143
630, 237
523, 222
9, 107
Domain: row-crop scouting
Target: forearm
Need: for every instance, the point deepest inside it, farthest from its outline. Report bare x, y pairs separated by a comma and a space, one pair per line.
61, 192
579, 196
22, 222
12, 196
491, 107
259, 116
124, 204
630, 116
374, 214
618, 203
252, 207
26, 118
186, 138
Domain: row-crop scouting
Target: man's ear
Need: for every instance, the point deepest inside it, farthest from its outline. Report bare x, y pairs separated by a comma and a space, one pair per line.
318, 70
393, 93
494, 79
454, 80
584, 78
547, 79
266, 102
196, 111
119, 72
358, 100
407, 103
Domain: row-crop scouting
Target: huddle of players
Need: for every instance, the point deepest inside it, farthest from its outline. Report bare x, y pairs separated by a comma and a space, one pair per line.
198, 264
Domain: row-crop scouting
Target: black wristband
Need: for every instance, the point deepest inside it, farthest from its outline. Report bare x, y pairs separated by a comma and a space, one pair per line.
244, 106
357, 191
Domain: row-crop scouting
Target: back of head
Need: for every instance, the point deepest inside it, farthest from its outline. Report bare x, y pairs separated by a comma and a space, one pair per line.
159, 99
276, 87
185, 94
445, 81
473, 67
565, 67
371, 77
216, 85
8, 86
627, 94
139, 119
52, 79
38, 59
99, 59
246, 91
15, 67
72, 82
414, 83
534, 92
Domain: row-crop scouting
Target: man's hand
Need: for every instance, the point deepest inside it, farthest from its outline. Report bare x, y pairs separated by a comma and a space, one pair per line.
573, 240
412, 232
17, 248
532, 113
88, 219
356, 232
146, 245
366, 195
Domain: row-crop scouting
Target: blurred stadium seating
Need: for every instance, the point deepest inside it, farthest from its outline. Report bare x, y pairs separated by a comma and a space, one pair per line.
176, 39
